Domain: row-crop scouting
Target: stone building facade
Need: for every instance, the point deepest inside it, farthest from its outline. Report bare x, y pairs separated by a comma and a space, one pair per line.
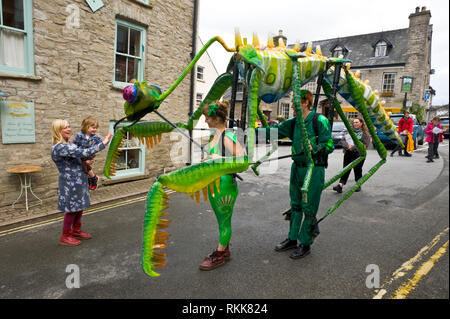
76, 65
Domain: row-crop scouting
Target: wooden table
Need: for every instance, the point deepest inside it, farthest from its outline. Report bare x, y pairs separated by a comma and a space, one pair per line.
25, 183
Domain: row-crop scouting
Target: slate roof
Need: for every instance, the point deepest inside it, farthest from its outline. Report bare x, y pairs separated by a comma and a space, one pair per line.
361, 48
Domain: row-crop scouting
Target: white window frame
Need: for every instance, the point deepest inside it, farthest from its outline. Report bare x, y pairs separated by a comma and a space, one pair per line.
337, 51
351, 115
381, 49
199, 98
130, 172
200, 73
284, 108
388, 81
141, 58
310, 86
28, 69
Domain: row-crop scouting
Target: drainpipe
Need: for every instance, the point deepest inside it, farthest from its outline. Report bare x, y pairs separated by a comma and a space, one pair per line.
193, 71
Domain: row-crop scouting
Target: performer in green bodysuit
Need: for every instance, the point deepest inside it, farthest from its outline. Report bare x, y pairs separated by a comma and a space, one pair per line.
222, 199
303, 215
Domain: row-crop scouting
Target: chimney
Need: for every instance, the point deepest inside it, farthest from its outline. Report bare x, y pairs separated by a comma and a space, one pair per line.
277, 38
418, 51
417, 10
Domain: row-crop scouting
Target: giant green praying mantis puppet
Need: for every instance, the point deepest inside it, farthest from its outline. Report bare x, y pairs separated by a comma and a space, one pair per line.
269, 73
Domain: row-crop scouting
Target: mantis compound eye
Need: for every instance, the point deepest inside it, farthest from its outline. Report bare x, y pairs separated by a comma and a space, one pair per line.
129, 93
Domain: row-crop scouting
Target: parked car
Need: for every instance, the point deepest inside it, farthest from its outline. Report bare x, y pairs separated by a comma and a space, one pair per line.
338, 132
417, 134
444, 122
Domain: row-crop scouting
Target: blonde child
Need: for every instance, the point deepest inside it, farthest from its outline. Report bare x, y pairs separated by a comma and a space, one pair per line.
85, 139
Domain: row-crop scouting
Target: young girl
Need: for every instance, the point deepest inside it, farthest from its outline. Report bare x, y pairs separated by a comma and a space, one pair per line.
85, 139
73, 193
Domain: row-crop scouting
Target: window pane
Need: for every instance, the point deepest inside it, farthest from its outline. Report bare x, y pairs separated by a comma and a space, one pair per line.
388, 82
13, 13
199, 98
380, 50
133, 66
128, 159
135, 43
122, 39
121, 68
199, 73
285, 110
14, 49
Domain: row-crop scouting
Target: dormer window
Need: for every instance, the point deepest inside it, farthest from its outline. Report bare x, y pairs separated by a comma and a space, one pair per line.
338, 51
381, 49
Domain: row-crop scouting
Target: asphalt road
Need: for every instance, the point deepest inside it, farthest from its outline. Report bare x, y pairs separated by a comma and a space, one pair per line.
398, 222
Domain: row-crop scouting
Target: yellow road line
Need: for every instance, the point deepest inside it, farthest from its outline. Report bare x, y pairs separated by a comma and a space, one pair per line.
86, 212
409, 265
406, 288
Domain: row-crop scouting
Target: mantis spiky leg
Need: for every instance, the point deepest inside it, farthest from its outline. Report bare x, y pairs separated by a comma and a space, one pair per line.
274, 146
302, 128
358, 97
189, 180
361, 148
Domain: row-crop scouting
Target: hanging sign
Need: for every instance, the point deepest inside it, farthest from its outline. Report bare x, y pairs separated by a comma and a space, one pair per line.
17, 122
95, 4
407, 84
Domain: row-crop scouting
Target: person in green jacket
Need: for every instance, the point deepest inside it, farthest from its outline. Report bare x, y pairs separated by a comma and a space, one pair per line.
303, 215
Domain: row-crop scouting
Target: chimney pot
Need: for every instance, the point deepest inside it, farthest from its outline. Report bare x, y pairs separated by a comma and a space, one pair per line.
417, 9
424, 9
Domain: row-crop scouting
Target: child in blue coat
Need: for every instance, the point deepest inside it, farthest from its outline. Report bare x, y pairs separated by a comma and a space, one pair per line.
85, 139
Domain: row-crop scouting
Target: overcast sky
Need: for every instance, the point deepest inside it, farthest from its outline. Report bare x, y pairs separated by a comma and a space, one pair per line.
323, 19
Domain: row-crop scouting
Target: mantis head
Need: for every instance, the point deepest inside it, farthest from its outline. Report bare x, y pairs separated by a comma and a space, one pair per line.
141, 99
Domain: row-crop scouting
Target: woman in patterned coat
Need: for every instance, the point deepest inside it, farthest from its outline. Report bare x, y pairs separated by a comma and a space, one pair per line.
73, 193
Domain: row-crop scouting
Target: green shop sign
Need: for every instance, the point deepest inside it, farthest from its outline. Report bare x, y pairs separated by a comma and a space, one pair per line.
407, 84
17, 122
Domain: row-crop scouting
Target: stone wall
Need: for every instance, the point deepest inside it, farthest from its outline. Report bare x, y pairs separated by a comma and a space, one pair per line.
74, 69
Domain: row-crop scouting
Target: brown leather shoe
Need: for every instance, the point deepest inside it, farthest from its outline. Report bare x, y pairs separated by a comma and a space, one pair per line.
227, 254
214, 260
